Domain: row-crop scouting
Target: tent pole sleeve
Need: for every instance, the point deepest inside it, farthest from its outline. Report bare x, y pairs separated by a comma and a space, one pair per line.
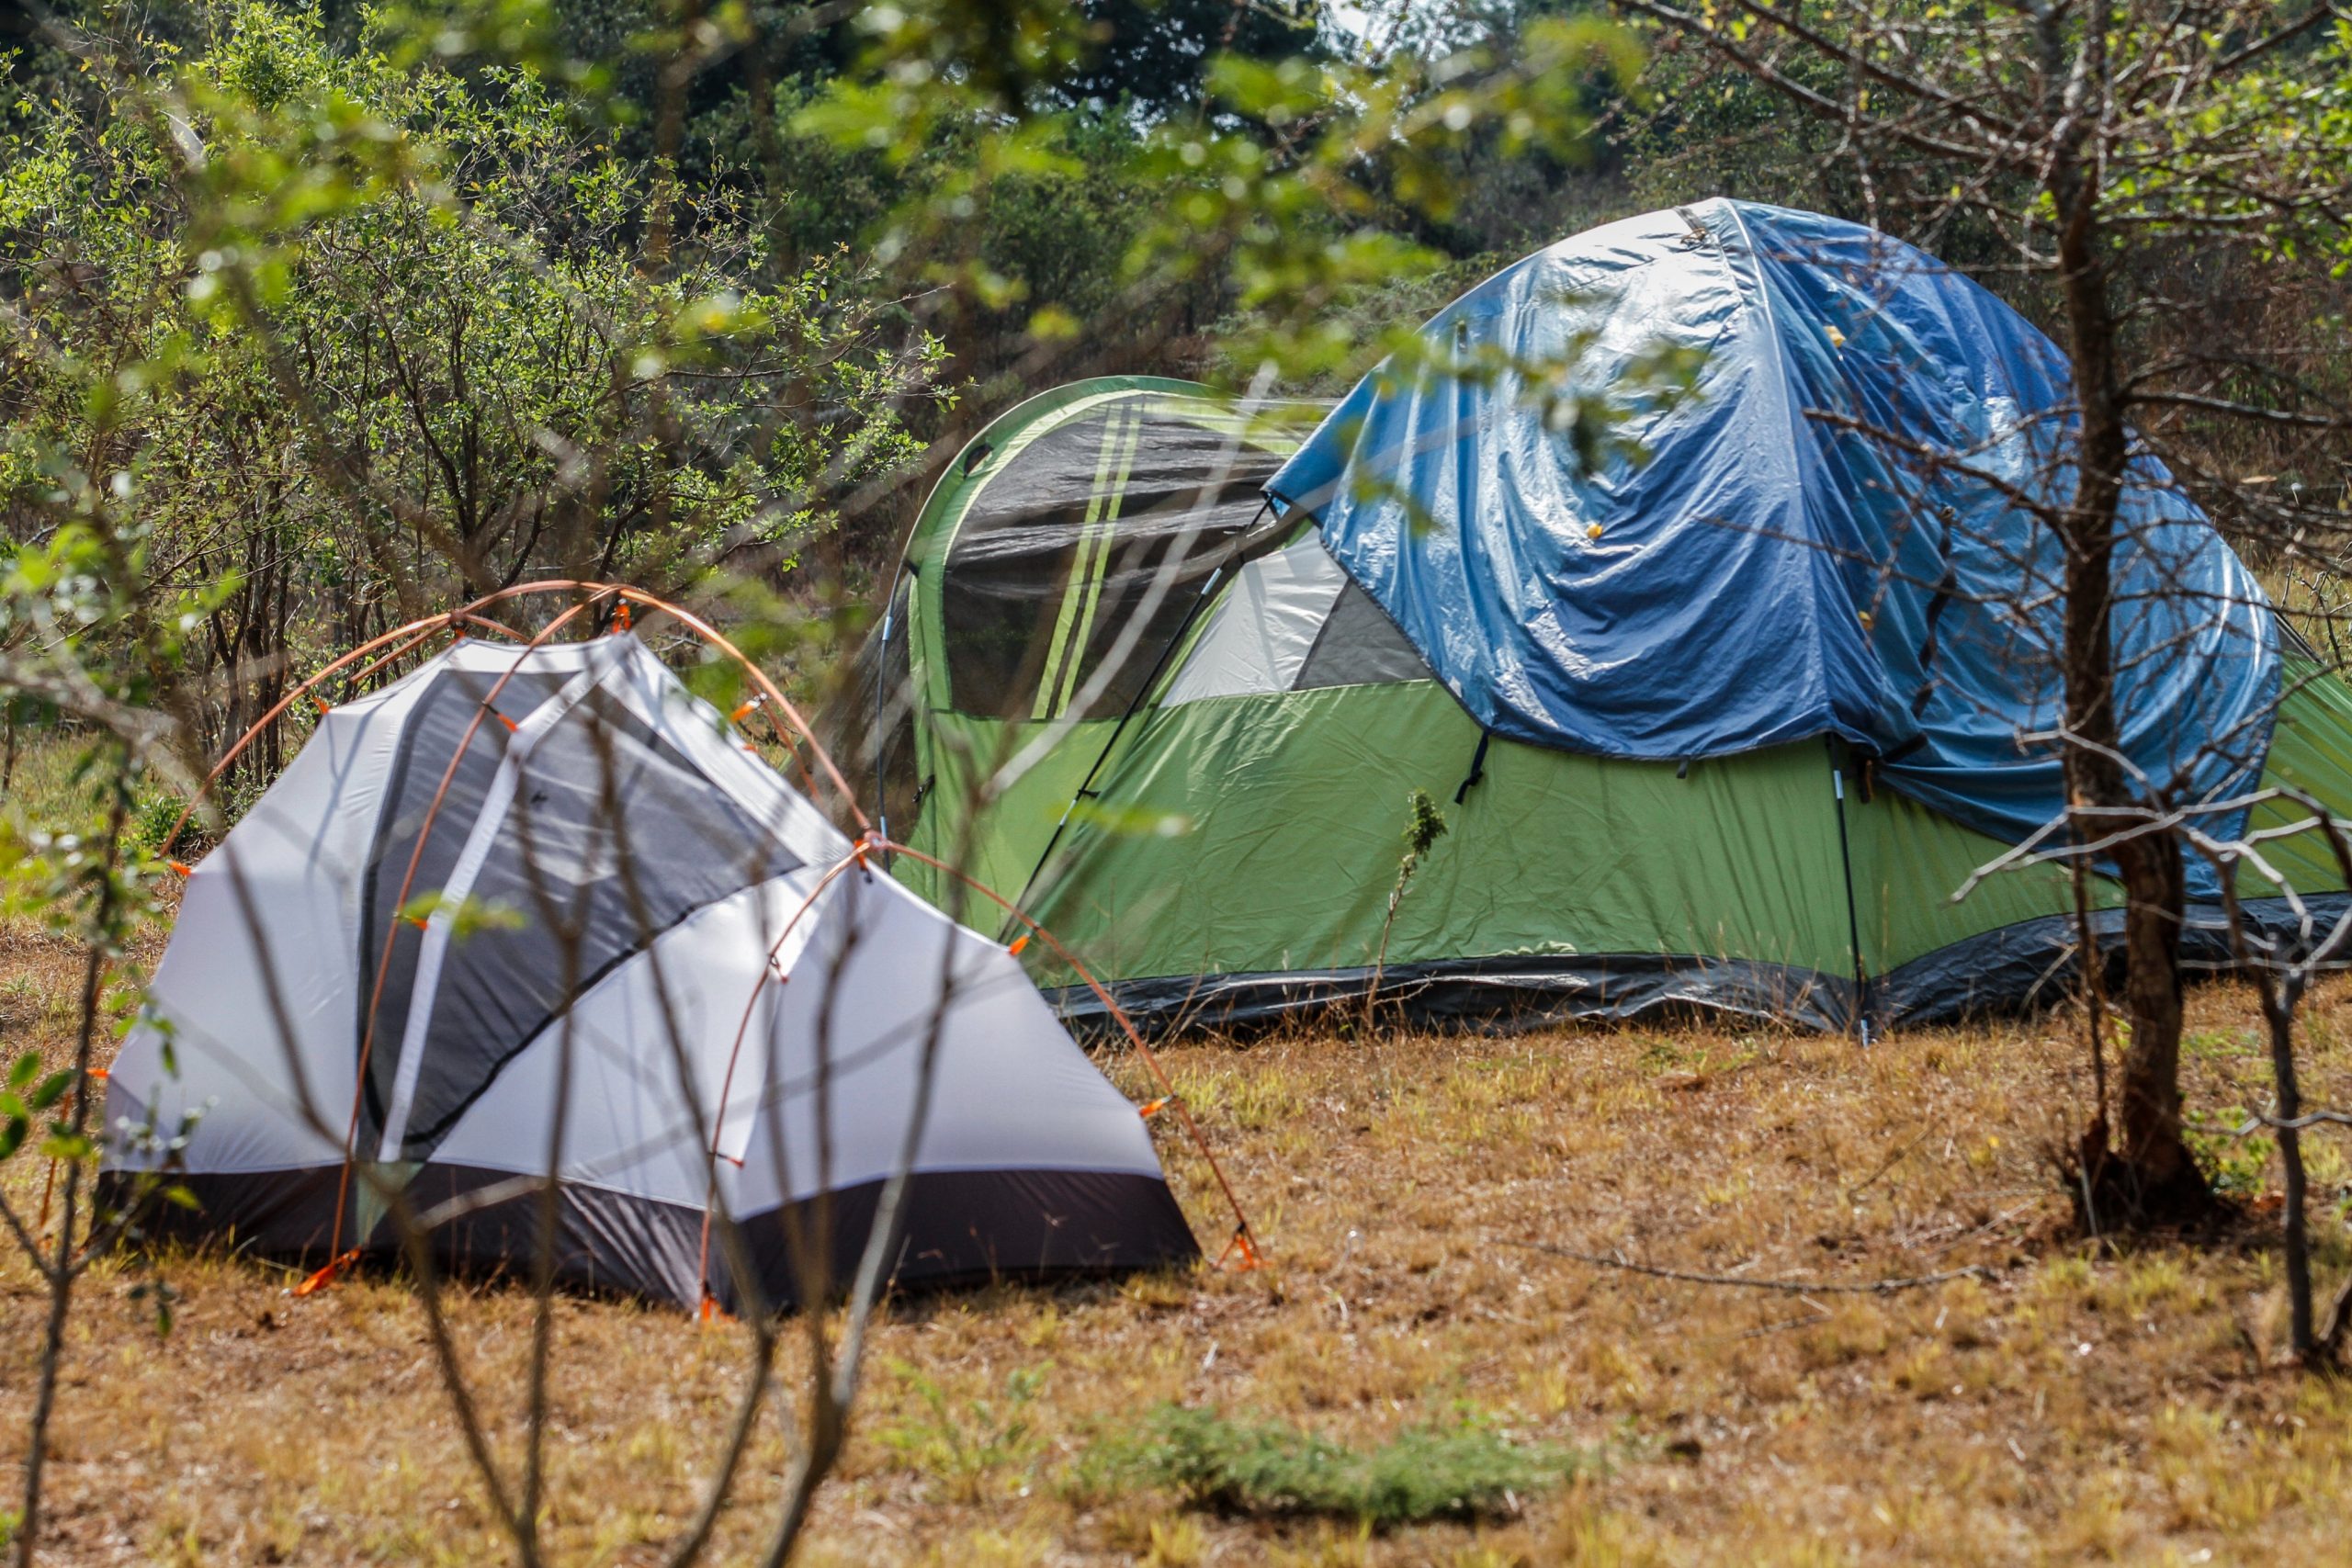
1853, 920
1150, 681
882, 700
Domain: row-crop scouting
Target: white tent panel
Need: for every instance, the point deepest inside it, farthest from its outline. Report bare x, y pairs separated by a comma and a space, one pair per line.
1263, 626
630, 671
679, 1006
274, 909
1009, 1092
698, 731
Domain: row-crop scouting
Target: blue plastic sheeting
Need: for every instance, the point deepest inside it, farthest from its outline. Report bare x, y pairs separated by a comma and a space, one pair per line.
1825, 539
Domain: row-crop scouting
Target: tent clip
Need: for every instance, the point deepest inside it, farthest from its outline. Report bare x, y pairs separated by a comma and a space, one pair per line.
1477, 766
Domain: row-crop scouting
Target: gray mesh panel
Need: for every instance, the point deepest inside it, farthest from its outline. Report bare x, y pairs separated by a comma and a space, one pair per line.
1360, 645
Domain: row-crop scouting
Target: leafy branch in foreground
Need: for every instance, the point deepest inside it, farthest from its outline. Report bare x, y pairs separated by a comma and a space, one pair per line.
80, 887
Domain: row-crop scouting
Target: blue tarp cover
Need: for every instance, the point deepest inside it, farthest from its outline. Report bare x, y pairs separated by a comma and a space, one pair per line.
1823, 540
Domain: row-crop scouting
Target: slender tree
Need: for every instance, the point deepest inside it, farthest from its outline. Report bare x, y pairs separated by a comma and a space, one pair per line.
2098, 153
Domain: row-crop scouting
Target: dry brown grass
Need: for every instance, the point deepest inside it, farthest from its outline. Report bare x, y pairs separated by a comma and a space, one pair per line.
2083, 1403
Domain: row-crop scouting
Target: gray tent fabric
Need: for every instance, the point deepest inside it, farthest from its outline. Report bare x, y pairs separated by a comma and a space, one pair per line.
1292, 621
740, 996
1263, 626
1360, 645
541, 841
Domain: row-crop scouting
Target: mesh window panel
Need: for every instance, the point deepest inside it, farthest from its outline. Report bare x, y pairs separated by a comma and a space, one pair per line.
434, 728
558, 851
1118, 515
1360, 645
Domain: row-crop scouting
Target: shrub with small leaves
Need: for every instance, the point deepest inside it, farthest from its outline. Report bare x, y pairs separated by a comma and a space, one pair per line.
1423, 1473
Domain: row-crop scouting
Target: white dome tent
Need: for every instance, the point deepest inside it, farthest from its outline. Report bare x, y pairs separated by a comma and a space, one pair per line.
539, 901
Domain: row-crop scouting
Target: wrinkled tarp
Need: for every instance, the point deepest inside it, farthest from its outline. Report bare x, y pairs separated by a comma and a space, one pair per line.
1823, 539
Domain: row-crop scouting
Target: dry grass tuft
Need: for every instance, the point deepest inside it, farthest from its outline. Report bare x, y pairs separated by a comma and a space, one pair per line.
2081, 1403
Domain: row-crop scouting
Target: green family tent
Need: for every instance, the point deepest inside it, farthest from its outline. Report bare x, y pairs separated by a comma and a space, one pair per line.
1726, 724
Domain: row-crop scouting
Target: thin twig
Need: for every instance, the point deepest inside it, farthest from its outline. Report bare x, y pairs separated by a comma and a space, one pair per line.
1789, 1287
1893, 1160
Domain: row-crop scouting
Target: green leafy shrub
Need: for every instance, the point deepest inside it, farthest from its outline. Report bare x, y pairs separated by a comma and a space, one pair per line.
1422, 1473
979, 1447
2239, 1166
152, 817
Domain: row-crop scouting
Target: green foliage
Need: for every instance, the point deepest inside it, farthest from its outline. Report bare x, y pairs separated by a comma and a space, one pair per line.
341, 331
1423, 1473
1049, 237
2236, 1165
467, 915
1426, 827
970, 1444
1312, 217
1421, 834
27, 1095
60, 877
1289, 194
151, 819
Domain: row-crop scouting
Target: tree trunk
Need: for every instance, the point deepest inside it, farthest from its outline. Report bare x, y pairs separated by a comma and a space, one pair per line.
2158, 1178
2152, 1177
2279, 998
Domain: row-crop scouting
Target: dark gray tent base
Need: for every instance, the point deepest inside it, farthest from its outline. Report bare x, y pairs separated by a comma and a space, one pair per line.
964, 1227
982, 1226
2012, 969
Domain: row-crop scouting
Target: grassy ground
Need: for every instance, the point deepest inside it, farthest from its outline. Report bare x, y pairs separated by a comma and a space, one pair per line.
2081, 1402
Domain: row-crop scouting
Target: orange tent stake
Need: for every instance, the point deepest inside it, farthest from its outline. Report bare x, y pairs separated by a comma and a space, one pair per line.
327, 1275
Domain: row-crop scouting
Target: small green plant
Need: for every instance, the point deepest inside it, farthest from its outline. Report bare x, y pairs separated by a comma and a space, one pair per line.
970, 1446
152, 815
2238, 1166
2217, 1046
1422, 1473
1663, 1053
1421, 834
